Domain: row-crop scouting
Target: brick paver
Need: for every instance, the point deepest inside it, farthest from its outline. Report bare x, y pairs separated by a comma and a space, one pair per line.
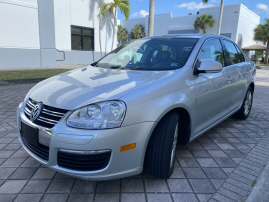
220, 165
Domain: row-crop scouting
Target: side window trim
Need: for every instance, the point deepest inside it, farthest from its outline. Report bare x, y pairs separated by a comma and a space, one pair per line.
224, 55
225, 52
240, 53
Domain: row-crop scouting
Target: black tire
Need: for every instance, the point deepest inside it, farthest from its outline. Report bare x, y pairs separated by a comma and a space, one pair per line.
158, 155
241, 114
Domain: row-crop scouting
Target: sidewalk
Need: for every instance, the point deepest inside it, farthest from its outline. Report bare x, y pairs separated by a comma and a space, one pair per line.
260, 192
42, 68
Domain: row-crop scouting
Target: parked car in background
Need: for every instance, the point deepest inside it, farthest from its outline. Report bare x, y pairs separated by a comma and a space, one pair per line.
128, 111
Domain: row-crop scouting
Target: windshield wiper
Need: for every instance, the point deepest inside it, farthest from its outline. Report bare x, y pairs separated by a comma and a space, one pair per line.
119, 67
94, 64
115, 67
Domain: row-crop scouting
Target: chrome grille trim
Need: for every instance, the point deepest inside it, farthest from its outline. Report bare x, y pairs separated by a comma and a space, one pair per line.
54, 112
29, 105
46, 121
27, 111
45, 112
48, 118
53, 121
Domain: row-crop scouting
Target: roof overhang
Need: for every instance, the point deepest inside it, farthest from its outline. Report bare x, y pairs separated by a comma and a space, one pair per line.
257, 46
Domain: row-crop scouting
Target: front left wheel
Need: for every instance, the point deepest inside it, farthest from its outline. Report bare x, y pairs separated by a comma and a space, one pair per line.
161, 150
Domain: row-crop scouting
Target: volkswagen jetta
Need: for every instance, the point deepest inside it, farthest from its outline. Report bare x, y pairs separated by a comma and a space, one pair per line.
129, 110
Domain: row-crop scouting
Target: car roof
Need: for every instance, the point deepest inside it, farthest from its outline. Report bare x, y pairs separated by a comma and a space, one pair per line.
169, 36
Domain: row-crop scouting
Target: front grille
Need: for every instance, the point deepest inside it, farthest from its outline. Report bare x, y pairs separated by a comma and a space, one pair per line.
83, 162
48, 117
41, 151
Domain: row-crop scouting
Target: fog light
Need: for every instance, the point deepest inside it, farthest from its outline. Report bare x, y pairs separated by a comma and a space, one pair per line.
127, 147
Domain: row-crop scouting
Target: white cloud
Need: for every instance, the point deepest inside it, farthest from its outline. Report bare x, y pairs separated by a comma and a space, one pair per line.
263, 7
135, 14
143, 13
215, 1
194, 5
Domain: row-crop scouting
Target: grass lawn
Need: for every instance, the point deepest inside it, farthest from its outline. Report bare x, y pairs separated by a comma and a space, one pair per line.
261, 64
30, 73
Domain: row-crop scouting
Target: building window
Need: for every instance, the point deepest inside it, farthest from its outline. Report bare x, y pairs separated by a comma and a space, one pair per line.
82, 38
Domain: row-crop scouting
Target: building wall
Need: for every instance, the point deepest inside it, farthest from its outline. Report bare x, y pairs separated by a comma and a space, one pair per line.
182, 25
32, 32
82, 13
19, 29
248, 21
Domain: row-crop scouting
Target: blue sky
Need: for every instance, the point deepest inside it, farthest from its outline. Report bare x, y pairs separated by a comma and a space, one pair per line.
140, 8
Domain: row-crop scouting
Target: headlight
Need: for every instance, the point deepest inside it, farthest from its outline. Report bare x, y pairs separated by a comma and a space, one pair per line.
98, 116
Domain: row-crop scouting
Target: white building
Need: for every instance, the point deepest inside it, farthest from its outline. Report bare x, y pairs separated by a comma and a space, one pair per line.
238, 23
41, 33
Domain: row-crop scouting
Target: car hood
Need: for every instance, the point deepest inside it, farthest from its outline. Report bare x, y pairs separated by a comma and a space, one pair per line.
88, 85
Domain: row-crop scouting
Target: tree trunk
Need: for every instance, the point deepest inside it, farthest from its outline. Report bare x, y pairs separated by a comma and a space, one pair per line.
204, 32
267, 53
220, 16
115, 17
100, 36
151, 17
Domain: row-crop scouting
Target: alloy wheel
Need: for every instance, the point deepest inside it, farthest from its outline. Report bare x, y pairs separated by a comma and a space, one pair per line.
248, 103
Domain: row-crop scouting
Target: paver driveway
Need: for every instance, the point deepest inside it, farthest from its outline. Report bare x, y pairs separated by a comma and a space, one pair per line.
206, 169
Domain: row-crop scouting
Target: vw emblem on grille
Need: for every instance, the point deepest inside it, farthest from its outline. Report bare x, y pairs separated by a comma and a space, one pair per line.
36, 110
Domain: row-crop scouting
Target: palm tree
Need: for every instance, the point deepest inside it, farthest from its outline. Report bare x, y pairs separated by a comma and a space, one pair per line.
123, 5
151, 16
138, 32
100, 4
220, 16
202, 21
261, 33
122, 33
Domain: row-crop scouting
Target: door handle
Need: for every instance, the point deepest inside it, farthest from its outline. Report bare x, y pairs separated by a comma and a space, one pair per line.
229, 80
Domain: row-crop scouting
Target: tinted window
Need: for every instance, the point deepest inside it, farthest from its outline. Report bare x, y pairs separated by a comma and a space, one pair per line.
241, 56
82, 38
212, 50
231, 53
150, 54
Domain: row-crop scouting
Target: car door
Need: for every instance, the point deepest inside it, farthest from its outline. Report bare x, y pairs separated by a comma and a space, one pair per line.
212, 89
239, 71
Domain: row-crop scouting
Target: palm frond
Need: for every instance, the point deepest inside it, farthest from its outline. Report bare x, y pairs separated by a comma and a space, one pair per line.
105, 6
202, 21
125, 8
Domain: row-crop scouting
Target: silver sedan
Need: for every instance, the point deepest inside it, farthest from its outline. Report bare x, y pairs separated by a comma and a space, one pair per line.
128, 111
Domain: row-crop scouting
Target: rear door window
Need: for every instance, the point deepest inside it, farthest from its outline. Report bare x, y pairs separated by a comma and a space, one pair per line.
241, 56
231, 53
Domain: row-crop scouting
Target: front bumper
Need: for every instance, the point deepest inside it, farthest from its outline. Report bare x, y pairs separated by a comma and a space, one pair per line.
121, 164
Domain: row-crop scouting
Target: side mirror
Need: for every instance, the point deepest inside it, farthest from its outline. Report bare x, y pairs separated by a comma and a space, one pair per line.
209, 66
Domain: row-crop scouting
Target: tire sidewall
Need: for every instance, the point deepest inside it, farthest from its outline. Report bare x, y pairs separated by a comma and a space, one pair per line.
251, 91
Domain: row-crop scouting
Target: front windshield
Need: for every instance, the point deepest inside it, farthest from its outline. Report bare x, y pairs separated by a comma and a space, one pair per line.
150, 54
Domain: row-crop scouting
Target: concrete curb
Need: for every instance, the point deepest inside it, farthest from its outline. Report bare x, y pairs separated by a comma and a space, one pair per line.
21, 81
241, 181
